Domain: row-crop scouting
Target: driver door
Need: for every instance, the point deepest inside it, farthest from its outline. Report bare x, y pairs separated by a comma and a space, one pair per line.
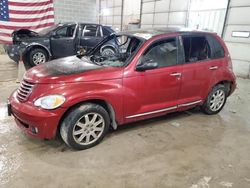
157, 90
63, 41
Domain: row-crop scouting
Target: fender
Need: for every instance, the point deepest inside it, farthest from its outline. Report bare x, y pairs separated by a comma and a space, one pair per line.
30, 45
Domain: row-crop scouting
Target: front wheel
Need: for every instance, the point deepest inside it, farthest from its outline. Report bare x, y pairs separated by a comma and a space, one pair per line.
215, 100
37, 56
85, 126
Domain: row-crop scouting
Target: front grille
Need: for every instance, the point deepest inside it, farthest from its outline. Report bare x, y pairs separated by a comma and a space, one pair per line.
24, 90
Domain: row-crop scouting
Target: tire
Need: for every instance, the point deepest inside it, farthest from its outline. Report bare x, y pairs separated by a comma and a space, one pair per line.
219, 96
108, 51
76, 128
37, 56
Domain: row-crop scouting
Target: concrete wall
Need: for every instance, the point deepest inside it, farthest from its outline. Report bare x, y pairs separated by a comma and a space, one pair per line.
238, 20
80, 10
110, 13
164, 13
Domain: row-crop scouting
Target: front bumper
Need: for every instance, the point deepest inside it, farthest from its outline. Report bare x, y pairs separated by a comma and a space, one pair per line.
14, 52
34, 121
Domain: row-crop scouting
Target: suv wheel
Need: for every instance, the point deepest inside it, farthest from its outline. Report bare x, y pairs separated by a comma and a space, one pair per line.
108, 52
215, 100
85, 126
37, 56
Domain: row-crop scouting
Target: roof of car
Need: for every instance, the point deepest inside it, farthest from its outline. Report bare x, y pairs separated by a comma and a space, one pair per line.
149, 33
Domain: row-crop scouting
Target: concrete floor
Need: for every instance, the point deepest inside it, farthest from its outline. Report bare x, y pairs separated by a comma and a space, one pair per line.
186, 149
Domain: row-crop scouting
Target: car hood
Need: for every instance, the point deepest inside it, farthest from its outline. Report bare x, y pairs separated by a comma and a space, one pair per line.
71, 69
23, 35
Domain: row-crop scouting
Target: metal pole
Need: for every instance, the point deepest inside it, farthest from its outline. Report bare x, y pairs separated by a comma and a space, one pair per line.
122, 15
225, 20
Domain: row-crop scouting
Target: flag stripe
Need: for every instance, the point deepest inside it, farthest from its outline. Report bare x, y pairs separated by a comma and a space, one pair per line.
26, 8
31, 19
34, 27
31, 15
25, 12
13, 3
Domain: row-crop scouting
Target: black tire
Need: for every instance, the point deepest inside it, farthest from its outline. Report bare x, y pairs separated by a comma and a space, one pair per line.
207, 107
34, 52
108, 51
78, 114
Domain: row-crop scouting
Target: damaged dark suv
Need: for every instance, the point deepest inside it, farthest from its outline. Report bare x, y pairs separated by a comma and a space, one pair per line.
55, 42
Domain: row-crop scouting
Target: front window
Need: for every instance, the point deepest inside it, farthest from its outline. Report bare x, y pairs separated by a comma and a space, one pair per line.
115, 51
67, 31
163, 52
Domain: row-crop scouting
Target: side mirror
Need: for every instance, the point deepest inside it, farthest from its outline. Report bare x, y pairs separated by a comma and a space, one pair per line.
146, 64
54, 35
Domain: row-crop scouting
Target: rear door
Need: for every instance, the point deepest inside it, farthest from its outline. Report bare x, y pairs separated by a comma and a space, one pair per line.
91, 35
63, 41
198, 69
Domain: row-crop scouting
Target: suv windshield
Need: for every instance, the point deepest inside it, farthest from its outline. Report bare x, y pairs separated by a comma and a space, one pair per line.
114, 50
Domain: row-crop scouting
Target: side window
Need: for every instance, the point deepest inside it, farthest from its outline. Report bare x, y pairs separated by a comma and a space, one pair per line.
163, 52
67, 31
90, 31
218, 50
196, 48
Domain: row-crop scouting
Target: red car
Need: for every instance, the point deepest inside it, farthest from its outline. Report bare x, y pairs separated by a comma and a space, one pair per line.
154, 72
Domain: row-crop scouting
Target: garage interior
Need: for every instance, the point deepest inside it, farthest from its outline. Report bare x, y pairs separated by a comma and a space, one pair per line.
184, 149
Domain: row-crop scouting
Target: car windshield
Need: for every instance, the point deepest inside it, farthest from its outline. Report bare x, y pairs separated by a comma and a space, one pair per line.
115, 50
47, 30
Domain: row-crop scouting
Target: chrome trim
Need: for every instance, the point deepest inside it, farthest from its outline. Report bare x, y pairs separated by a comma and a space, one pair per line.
190, 103
152, 112
165, 109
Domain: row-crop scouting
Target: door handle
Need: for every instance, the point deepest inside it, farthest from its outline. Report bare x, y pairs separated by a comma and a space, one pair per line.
213, 67
177, 74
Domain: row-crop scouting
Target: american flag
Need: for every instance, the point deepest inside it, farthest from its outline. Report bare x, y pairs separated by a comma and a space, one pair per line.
24, 14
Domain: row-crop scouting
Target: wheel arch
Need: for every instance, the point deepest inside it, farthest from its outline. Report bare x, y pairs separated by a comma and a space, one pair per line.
36, 45
106, 105
227, 84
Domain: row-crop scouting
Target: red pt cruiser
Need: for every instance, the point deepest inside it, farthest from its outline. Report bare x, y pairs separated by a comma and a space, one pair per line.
151, 73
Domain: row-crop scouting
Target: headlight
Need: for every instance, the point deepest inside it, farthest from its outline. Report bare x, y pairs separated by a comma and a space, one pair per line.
50, 102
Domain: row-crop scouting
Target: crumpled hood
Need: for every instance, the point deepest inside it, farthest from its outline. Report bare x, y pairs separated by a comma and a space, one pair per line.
71, 69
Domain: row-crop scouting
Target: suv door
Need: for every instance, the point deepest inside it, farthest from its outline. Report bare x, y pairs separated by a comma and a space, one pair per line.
91, 36
199, 68
63, 41
156, 90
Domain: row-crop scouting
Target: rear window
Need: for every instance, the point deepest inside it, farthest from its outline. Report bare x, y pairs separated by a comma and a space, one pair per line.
196, 48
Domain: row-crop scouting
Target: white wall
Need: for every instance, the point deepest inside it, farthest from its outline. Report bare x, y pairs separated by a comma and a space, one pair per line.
79, 11
164, 13
238, 20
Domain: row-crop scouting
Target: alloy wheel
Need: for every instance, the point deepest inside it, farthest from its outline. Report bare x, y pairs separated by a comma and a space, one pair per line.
39, 58
88, 128
217, 100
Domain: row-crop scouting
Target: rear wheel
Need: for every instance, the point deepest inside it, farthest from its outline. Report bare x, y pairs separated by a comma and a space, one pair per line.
215, 100
85, 126
108, 52
37, 56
